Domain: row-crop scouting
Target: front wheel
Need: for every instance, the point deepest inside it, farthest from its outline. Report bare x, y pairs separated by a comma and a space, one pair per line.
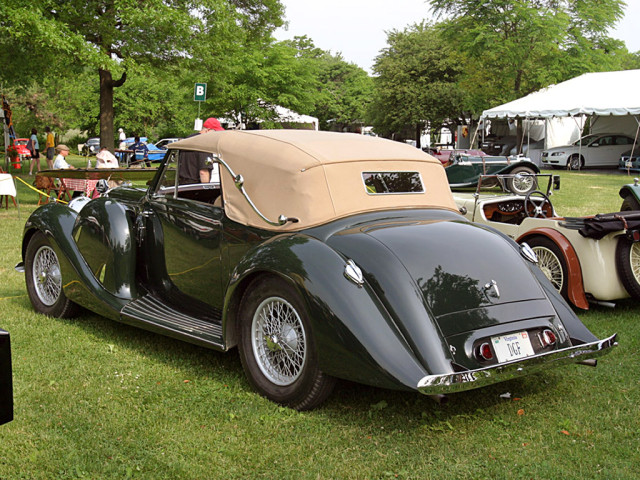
277, 347
44, 280
628, 265
523, 181
551, 262
575, 162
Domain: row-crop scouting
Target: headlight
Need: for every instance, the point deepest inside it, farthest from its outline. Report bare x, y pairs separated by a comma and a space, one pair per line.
557, 154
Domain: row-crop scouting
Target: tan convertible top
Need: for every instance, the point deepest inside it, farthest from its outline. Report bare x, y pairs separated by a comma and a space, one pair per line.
315, 176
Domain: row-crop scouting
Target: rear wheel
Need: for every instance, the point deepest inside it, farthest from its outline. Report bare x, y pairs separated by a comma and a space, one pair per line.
523, 181
44, 280
575, 162
628, 265
630, 203
277, 346
551, 262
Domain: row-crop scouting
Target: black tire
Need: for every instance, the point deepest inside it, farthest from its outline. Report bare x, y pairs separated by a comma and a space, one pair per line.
629, 203
551, 262
524, 183
44, 280
274, 325
628, 265
575, 162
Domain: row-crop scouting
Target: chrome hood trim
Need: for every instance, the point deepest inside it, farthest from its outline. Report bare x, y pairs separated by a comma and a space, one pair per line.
461, 381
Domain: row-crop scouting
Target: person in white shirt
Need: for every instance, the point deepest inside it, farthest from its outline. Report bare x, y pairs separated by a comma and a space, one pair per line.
106, 159
60, 162
122, 137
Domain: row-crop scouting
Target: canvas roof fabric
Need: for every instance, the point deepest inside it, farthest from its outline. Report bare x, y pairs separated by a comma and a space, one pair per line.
599, 93
314, 176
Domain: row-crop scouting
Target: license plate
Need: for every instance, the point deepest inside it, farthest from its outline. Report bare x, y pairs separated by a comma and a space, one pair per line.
628, 164
512, 347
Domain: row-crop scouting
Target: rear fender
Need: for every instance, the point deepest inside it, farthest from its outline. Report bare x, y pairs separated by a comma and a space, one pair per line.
356, 338
521, 163
575, 286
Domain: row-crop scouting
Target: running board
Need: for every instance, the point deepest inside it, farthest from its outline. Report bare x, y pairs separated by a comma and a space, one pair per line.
153, 314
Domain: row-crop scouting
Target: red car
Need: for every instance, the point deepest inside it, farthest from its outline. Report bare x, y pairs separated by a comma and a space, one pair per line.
445, 156
19, 146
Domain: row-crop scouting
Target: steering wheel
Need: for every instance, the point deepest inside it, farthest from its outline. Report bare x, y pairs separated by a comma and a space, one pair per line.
537, 210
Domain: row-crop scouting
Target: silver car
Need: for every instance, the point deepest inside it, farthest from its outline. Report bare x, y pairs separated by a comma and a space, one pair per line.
600, 150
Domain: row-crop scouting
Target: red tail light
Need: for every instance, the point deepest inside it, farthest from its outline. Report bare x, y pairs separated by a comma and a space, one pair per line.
483, 352
548, 338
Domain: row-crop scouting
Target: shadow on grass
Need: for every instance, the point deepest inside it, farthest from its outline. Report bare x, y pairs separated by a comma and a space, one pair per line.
349, 404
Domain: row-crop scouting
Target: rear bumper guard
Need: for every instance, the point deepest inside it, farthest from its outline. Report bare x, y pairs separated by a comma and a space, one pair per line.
461, 381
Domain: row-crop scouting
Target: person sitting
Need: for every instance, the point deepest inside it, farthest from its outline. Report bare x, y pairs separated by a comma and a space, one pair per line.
140, 148
60, 162
106, 159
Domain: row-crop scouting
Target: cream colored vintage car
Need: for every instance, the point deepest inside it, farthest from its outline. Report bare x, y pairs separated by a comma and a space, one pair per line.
588, 259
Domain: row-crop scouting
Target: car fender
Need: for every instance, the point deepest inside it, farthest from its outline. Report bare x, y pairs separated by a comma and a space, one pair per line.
356, 338
521, 163
96, 251
575, 287
632, 190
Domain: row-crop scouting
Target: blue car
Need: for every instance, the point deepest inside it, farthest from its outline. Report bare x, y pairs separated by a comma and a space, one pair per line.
156, 154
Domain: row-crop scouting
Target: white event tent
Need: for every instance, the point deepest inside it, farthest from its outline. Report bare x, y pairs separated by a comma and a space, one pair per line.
612, 99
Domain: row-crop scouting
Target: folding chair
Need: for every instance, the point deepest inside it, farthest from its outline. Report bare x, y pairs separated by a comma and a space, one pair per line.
48, 185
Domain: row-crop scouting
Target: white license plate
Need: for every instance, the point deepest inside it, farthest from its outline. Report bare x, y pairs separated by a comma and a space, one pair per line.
628, 164
512, 347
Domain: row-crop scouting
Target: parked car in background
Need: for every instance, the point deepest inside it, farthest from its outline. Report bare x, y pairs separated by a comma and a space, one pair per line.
446, 155
155, 153
464, 171
165, 142
492, 145
601, 150
630, 160
19, 146
91, 146
6, 380
587, 259
321, 255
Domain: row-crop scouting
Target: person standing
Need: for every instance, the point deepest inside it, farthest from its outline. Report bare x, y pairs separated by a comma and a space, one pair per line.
49, 146
35, 151
122, 139
195, 167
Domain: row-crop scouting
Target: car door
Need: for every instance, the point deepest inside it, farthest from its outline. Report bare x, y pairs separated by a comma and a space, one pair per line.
184, 233
602, 152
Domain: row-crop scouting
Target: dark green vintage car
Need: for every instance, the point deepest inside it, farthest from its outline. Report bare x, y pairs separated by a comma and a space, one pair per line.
465, 170
320, 256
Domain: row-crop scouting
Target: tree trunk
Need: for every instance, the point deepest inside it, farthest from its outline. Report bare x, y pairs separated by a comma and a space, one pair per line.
106, 107
418, 134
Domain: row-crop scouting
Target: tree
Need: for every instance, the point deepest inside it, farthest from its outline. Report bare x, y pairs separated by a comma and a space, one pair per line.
514, 47
113, 36
417, 83
344, 93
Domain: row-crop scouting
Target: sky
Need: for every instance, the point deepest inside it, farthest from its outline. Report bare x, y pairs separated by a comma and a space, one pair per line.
356, 28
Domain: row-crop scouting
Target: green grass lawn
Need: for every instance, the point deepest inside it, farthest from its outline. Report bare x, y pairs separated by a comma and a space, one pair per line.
98, 400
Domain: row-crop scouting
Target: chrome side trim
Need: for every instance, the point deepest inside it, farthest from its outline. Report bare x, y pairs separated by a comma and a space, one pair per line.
461, 381
239, 182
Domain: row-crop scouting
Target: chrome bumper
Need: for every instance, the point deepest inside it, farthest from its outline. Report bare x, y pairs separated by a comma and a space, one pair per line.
460, 381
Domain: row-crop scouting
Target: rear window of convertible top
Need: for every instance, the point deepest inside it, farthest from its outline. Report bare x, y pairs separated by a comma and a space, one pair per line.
392, 182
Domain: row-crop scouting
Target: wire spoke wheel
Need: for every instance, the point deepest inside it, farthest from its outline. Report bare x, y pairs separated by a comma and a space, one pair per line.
550, 265
279, 341
277, 346
47, 279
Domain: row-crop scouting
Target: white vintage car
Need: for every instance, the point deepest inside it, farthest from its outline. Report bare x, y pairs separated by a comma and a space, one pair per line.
588, 259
